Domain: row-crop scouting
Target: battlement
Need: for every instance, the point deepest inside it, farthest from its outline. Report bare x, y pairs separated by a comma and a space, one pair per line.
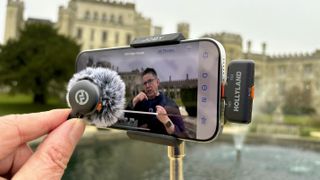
187, 83
110, 2
38, 21
183, 24
317, 53
225, 37
15, 2
301, 55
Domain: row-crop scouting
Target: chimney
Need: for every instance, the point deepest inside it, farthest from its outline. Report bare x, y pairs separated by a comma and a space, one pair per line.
264, 48
249, 47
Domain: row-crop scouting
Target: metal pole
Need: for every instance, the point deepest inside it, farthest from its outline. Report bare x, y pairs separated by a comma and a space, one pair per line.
176, 154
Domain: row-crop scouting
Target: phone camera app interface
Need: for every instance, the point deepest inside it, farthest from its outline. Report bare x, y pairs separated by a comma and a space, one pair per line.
164, 86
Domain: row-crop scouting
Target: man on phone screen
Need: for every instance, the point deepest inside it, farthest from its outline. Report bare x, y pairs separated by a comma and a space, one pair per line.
169, 120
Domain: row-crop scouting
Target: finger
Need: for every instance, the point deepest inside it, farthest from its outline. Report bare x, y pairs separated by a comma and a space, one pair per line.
144, 96
53, 154
158, 109
161, 109
23, 153
6, 164
18, 129
159, 106
15, 160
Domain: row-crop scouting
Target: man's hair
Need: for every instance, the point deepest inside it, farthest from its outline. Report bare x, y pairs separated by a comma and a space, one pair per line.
149, 70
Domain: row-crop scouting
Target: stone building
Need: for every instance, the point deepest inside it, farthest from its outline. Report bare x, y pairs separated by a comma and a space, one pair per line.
106, 23
281, 74
277, 75
102, 23
92, 23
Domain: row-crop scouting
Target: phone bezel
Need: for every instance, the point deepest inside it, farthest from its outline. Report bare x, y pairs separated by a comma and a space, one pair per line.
221, 79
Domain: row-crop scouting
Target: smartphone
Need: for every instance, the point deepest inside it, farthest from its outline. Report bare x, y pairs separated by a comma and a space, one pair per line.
170, 89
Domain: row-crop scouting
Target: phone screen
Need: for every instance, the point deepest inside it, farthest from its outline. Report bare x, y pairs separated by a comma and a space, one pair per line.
180, 82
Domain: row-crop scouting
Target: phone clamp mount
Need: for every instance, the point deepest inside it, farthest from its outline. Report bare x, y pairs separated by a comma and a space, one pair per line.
237, 93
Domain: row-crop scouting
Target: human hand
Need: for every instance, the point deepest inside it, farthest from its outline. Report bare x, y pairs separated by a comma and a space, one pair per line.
140, 97
49, 161
162, 114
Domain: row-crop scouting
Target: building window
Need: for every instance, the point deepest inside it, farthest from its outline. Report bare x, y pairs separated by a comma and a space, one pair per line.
307, 69
117, 38
79, 33
104, 36
87, 15
92, 35
307, 86
95, 16
120, 20
231, 51
104, 17
282, 87
282, 69
112, 18
128, 38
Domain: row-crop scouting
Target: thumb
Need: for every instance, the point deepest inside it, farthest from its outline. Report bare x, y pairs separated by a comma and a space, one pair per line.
53, 154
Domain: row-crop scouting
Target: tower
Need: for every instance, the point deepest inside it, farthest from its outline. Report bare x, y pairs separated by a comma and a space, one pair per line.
232, 44
14, 19
184, 29
157, 30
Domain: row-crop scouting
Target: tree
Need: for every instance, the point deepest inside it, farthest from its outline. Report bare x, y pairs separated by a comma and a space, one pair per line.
38, 61
297, 102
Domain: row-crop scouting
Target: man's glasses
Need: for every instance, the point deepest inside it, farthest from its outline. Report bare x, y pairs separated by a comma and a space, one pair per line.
148, 82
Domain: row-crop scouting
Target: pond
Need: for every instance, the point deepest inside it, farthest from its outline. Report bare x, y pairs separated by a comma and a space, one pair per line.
122, 158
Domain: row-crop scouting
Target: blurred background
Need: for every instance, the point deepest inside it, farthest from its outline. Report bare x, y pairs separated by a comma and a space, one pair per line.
39, 42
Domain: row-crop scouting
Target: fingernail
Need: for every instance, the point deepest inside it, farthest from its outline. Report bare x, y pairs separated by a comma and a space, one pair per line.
77, 130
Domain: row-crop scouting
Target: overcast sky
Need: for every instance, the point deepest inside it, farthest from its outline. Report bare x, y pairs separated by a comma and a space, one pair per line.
287, 26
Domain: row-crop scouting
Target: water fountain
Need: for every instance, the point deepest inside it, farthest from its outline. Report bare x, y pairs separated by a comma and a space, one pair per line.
239, 133
277, 116
101, 158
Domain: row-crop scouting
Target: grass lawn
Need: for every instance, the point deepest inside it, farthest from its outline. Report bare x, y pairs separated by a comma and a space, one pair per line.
308, 124
17, 104
287, 119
